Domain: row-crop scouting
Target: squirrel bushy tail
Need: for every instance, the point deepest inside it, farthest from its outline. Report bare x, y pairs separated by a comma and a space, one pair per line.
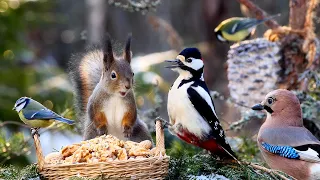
85, 70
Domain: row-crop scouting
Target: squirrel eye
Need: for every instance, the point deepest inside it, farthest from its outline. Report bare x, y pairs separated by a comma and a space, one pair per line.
270, 100
113, 75
132, 74
189, 60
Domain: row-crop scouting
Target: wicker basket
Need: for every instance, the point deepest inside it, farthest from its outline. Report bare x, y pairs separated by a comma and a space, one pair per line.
149, 168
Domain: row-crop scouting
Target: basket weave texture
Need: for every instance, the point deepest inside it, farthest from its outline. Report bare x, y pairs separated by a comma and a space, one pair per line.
147, 168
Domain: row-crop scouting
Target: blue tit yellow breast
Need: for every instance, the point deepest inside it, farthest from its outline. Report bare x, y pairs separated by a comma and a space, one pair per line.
238, 36
35, 122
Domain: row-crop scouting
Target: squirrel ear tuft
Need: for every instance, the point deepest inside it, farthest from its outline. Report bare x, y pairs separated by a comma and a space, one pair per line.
107, 52
127, 51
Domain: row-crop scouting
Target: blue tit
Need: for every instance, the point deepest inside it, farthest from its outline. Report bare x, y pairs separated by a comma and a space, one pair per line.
36, 115
237, 29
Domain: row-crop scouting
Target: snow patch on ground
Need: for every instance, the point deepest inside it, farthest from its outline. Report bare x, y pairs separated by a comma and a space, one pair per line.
208, 177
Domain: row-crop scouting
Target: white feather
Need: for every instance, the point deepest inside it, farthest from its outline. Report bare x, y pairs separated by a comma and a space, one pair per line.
20, 107
252, 28
221, 38
234, 28
309, 155
114, 110
196, 64
181, 110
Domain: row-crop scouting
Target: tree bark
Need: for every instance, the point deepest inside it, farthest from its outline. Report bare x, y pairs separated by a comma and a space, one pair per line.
96, 20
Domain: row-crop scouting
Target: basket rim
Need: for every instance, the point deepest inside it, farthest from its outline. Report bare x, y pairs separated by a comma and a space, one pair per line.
155, 159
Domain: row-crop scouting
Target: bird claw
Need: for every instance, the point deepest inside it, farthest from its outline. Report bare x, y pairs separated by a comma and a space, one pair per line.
164, 123
34, 131
176, 128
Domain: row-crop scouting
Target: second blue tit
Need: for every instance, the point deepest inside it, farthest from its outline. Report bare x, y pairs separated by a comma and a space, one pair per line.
237, 29
36, 115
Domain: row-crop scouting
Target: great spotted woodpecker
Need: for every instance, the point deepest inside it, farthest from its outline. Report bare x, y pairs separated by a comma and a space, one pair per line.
191, 109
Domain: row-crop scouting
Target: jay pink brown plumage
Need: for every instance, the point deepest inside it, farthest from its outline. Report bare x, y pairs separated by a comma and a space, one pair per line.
284, 142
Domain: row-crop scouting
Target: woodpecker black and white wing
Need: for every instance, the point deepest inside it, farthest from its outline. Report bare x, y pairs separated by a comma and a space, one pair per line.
202, 102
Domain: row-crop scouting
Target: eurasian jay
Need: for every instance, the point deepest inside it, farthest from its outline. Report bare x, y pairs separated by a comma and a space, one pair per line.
284, 142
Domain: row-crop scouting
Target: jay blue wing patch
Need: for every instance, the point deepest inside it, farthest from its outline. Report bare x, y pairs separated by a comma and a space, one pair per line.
284, 151
307, 152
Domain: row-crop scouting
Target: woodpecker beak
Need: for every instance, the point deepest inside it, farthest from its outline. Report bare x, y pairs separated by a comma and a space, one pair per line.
174, 63
258, 107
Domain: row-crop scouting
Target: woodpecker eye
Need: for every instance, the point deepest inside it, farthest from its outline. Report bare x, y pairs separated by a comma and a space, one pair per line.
270, 100
113, 75
189, 60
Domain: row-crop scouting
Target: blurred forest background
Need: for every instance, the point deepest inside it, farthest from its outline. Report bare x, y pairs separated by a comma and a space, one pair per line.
37, 38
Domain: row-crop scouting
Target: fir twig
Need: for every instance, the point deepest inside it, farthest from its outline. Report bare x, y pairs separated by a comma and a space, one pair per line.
269, 171
239, 104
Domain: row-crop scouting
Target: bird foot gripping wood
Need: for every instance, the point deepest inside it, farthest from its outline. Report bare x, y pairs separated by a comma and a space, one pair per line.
34, 131
164, 123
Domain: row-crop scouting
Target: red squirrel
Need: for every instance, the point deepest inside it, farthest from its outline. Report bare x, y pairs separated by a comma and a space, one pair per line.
104, 97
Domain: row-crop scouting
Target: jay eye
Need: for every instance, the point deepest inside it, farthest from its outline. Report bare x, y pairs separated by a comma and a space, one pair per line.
113, 75
189, 60
270, 100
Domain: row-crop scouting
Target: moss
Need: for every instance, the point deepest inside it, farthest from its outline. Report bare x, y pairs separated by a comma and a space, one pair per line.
13, 173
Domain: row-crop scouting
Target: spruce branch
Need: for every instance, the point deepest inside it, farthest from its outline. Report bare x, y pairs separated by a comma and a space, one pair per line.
272, 172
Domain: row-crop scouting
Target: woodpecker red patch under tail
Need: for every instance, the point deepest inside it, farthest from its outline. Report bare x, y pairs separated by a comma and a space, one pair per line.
209, 144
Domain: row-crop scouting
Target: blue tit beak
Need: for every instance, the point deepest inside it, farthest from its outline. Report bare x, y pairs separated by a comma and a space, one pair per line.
257, 107
174, 63
14, 108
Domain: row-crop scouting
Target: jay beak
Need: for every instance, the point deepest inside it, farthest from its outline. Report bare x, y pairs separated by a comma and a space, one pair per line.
257, 107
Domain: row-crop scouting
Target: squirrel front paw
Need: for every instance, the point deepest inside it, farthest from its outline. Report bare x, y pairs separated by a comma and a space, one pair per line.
127, 131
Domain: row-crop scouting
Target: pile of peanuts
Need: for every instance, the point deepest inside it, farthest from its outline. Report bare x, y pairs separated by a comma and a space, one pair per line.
101, 149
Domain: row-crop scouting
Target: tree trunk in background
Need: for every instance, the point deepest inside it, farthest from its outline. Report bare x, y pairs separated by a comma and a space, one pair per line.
96, 20
214, 12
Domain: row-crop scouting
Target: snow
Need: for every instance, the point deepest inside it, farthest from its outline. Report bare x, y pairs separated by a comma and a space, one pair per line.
208, 177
